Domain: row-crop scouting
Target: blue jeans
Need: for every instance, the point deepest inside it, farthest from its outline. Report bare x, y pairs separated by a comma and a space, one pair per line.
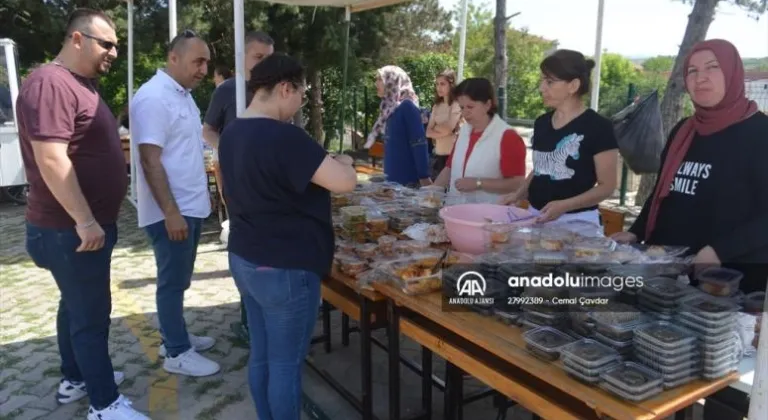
282, 309
83, 320
175, 264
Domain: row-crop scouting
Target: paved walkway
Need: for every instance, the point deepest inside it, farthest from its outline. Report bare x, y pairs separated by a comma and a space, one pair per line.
29, 361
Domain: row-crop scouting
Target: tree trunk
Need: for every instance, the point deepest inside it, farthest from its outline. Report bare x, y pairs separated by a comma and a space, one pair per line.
701, 17
316, 104
500, 46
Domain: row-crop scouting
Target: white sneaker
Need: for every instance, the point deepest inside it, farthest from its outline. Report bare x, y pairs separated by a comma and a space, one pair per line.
191, 363
72, 391
119, 410
198, 343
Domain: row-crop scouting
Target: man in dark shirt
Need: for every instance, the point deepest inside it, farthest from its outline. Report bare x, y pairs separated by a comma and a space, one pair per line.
76, 170
223, 107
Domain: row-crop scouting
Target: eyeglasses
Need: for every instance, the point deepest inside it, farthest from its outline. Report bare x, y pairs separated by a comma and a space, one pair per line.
103, 43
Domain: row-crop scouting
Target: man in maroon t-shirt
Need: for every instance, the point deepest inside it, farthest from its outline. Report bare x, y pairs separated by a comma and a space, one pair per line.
76, 171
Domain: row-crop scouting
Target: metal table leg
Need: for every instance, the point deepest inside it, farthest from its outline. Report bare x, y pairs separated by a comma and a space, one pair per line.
365, 355
426, 381
393, 334
345, 326
327, 326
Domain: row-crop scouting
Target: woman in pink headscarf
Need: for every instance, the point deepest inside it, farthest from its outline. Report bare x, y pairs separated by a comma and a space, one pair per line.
712, 190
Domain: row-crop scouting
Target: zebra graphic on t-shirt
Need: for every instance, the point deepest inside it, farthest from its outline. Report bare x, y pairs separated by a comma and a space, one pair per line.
553, 163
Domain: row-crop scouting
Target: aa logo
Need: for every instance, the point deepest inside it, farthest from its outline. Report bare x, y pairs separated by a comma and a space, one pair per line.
471, 284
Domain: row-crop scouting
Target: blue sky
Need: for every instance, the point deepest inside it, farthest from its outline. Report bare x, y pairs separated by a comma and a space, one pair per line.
633, 28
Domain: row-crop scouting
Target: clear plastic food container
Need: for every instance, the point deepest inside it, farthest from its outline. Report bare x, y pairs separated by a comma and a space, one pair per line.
680, 382
701, 330
634, 397
577, 374
546, 342
589, 375
708, 307
345, 246
623, 347
724, 361
554, 239
526, 237
353, 214
665, 357
665, 335
632, 378
753, 302
545, 319
708, 324
618, 326
656, 301
669, 368
366, 251
661, 251
377, 223
550, 258
719, 281
413, 275
386, 242
665, 289
593, 246
717, 374
498, 234
589, 354
351, 265
508, 318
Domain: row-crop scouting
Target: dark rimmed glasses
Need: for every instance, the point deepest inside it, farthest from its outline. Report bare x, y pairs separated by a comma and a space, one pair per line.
103, 43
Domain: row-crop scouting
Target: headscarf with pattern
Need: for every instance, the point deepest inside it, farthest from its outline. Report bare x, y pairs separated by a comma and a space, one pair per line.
397, 88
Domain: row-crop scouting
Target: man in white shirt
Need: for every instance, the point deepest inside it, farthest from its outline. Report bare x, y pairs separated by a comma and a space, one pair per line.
173, 198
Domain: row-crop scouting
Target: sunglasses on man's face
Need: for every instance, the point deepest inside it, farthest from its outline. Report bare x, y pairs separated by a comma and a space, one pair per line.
103, 43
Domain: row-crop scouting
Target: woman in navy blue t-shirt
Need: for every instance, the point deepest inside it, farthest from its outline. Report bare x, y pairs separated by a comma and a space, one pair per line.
277, 184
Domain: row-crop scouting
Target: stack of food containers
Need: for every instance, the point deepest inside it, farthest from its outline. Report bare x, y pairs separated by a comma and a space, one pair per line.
586, 359
659, 296
353, 220
632, 381
615, 325
670, 350
546, 342
713, 320
539, 310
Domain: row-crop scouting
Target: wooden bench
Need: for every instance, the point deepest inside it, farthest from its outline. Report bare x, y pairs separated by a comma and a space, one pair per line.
376, 152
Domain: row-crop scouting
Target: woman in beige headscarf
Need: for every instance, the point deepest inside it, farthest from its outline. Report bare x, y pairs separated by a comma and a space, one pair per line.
406, 160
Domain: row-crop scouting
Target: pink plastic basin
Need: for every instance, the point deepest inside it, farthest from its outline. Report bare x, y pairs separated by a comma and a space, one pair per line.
464, 223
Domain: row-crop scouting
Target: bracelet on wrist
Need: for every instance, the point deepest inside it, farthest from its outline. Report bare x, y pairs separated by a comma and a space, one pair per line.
86, 225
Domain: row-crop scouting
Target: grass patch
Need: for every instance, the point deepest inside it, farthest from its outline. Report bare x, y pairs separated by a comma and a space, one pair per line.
212, 412
52, 372
241, 363
205, 387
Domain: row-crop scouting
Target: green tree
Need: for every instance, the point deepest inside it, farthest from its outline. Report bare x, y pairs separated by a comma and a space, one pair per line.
524, 54
659, 64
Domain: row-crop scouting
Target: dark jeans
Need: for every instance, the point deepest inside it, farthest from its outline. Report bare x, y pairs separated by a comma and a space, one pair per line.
282, 309
175, 263
83, 320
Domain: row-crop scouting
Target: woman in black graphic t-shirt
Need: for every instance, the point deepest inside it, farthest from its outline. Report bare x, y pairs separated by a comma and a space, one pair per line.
574, 149
712, 193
